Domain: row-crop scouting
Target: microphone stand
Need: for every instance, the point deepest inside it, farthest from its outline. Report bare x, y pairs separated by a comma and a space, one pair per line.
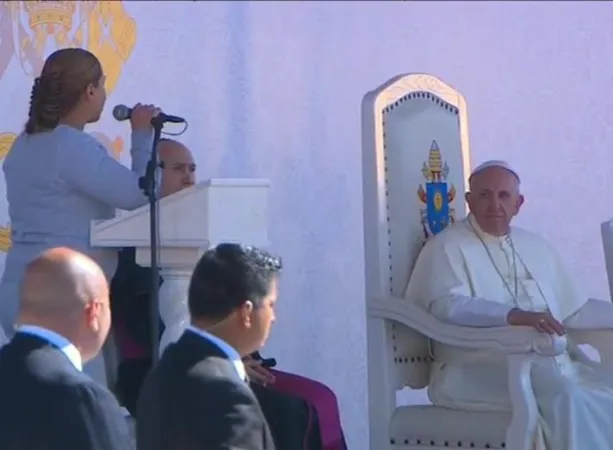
148, 184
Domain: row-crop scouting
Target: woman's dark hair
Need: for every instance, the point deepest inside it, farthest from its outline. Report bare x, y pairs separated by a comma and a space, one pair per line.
63, 80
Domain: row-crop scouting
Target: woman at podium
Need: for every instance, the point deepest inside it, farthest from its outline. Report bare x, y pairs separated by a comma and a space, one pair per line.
59, 178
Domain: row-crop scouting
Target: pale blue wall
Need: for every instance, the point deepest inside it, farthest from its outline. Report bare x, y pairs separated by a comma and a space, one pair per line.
274, 90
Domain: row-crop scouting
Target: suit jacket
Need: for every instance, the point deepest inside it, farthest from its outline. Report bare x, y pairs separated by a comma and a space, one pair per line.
195, 400
131, 301
47, 404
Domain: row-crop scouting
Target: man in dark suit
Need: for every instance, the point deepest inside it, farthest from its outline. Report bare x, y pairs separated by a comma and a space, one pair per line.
47, 403
198, 396
293, 419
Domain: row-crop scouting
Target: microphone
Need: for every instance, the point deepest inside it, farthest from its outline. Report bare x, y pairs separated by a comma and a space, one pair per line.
122, 112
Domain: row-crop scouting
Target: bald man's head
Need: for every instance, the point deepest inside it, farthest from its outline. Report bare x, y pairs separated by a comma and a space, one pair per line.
60, 280
67, 292
178, 167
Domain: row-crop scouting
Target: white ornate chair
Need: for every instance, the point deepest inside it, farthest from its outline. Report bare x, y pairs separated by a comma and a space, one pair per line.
606, 232
415, 163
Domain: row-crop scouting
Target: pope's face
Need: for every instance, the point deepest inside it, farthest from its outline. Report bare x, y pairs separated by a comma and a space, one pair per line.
494, 199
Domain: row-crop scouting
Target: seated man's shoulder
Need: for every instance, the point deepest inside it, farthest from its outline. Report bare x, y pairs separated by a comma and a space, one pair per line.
452, 236
128, 253
126, 260
458, 234
531, 238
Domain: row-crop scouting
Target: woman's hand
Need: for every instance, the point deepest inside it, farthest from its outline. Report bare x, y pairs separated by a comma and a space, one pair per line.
258, 374
141, 116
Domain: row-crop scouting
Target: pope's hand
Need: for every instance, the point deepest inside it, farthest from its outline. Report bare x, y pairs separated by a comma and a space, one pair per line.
542, 322
257, 373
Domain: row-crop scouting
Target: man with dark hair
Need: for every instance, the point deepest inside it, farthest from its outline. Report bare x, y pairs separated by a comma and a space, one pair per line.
198, 396
302, 413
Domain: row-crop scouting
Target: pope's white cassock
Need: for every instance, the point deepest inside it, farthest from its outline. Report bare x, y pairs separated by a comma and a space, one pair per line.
469, 278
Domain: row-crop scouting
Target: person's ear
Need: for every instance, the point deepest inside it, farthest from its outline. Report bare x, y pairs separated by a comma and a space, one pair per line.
90, 90
519, 203
92, 315
246, 313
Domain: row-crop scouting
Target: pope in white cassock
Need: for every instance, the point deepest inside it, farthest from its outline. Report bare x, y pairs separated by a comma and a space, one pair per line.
481, 272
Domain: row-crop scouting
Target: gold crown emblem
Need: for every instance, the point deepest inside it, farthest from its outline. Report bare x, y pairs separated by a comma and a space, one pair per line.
435, 169
435, 161
42, 12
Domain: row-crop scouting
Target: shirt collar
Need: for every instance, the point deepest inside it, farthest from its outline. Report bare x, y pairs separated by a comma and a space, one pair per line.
229, 351
472, 223
57, 340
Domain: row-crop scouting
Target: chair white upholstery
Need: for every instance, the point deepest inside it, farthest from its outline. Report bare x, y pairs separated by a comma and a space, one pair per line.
429, 426
414, 132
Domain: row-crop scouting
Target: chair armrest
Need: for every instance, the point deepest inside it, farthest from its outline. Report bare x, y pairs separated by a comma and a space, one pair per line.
510, 340
600, 339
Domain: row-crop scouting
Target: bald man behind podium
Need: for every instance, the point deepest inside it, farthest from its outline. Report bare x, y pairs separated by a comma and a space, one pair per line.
46, 401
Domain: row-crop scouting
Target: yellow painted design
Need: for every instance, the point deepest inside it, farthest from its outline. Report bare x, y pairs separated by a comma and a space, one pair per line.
30, 30
6, 140
114, 147
5, 238
112, 37
103, 27
6, 33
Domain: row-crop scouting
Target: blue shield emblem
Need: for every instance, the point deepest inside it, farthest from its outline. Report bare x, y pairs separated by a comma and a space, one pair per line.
437, 207
437, 195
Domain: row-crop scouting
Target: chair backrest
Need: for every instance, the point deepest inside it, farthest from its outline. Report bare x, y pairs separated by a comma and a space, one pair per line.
415, 167
606, 231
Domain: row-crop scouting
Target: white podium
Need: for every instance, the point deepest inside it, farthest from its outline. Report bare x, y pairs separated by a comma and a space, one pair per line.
190, 222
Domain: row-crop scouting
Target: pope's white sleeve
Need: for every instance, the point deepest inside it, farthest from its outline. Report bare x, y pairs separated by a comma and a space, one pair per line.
470, 311
594, 314
440, 283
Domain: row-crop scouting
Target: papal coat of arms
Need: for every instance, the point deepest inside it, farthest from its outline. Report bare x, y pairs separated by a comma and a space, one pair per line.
437, 195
